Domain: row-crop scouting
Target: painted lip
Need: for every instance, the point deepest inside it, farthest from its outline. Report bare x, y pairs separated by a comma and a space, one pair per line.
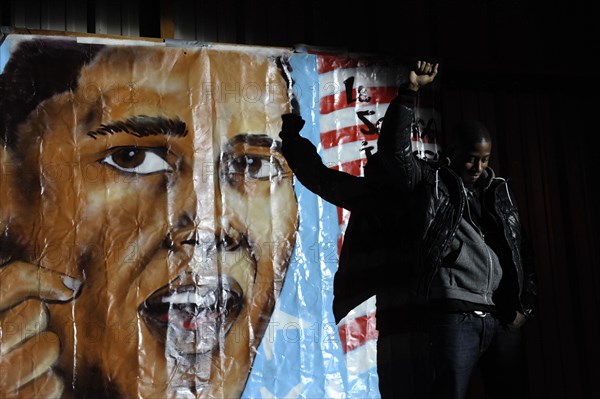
191, 318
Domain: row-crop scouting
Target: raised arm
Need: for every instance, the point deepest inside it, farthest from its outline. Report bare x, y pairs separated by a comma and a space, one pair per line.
339, 188
394, 143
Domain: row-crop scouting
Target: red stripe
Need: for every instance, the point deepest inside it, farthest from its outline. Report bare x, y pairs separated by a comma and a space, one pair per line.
352, 167
343, 217
350, 134
358, 331
327, 62
340, 212
334, 102
344, 135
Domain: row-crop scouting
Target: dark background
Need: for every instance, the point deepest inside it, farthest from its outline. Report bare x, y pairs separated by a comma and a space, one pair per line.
526, 69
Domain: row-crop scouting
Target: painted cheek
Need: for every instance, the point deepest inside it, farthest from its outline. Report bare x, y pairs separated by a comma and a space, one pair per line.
239, 265
125, 209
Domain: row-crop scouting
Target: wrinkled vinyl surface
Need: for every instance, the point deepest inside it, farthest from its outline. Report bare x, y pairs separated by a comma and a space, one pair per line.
154, 242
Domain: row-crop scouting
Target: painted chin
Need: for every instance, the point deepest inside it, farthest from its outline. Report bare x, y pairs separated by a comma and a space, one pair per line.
191, 318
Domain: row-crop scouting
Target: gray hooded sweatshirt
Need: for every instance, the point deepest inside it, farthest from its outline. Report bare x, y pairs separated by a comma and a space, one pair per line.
470, 270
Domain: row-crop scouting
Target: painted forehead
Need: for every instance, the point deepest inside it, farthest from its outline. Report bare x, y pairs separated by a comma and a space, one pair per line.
239, 92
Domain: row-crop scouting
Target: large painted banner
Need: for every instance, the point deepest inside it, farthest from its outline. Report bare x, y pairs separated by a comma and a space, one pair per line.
154, 242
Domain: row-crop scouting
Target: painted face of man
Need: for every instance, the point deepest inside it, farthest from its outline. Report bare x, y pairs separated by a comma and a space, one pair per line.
162, 188
471, 160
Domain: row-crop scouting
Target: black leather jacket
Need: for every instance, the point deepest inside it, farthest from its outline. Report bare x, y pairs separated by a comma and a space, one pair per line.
371, 262
439, 204
397, 231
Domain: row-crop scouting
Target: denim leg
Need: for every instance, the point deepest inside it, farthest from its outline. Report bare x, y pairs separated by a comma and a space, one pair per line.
503, 365
455, 350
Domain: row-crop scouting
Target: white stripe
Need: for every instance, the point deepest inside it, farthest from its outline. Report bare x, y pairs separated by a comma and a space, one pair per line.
368, 306
345, 219
346, 152
332, 82
345, 117
421, 147
361, 359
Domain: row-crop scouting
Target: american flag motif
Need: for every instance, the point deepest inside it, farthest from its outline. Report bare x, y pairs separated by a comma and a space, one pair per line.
354, 93
343, 99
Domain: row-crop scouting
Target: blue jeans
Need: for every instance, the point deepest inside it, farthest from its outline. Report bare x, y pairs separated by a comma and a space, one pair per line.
460, 342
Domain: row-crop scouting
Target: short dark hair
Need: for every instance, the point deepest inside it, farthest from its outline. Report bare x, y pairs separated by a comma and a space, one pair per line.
467, 132
37, 70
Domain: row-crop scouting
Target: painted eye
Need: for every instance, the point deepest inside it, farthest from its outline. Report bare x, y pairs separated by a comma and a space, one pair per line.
254, 167
141, 161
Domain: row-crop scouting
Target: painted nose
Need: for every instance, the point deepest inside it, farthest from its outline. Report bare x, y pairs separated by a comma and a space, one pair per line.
184, 233
187, 234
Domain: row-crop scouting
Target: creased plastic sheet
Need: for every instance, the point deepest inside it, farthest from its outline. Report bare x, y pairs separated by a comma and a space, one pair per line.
155, 244
343, 98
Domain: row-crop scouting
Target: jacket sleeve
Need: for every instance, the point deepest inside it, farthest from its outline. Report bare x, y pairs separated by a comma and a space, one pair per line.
394, 143
529, 298
339, 188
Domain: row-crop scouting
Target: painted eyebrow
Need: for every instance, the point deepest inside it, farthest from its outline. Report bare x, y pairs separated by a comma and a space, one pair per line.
143, 126
257, 140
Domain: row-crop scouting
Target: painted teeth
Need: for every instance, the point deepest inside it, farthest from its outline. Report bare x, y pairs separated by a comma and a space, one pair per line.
205, 300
